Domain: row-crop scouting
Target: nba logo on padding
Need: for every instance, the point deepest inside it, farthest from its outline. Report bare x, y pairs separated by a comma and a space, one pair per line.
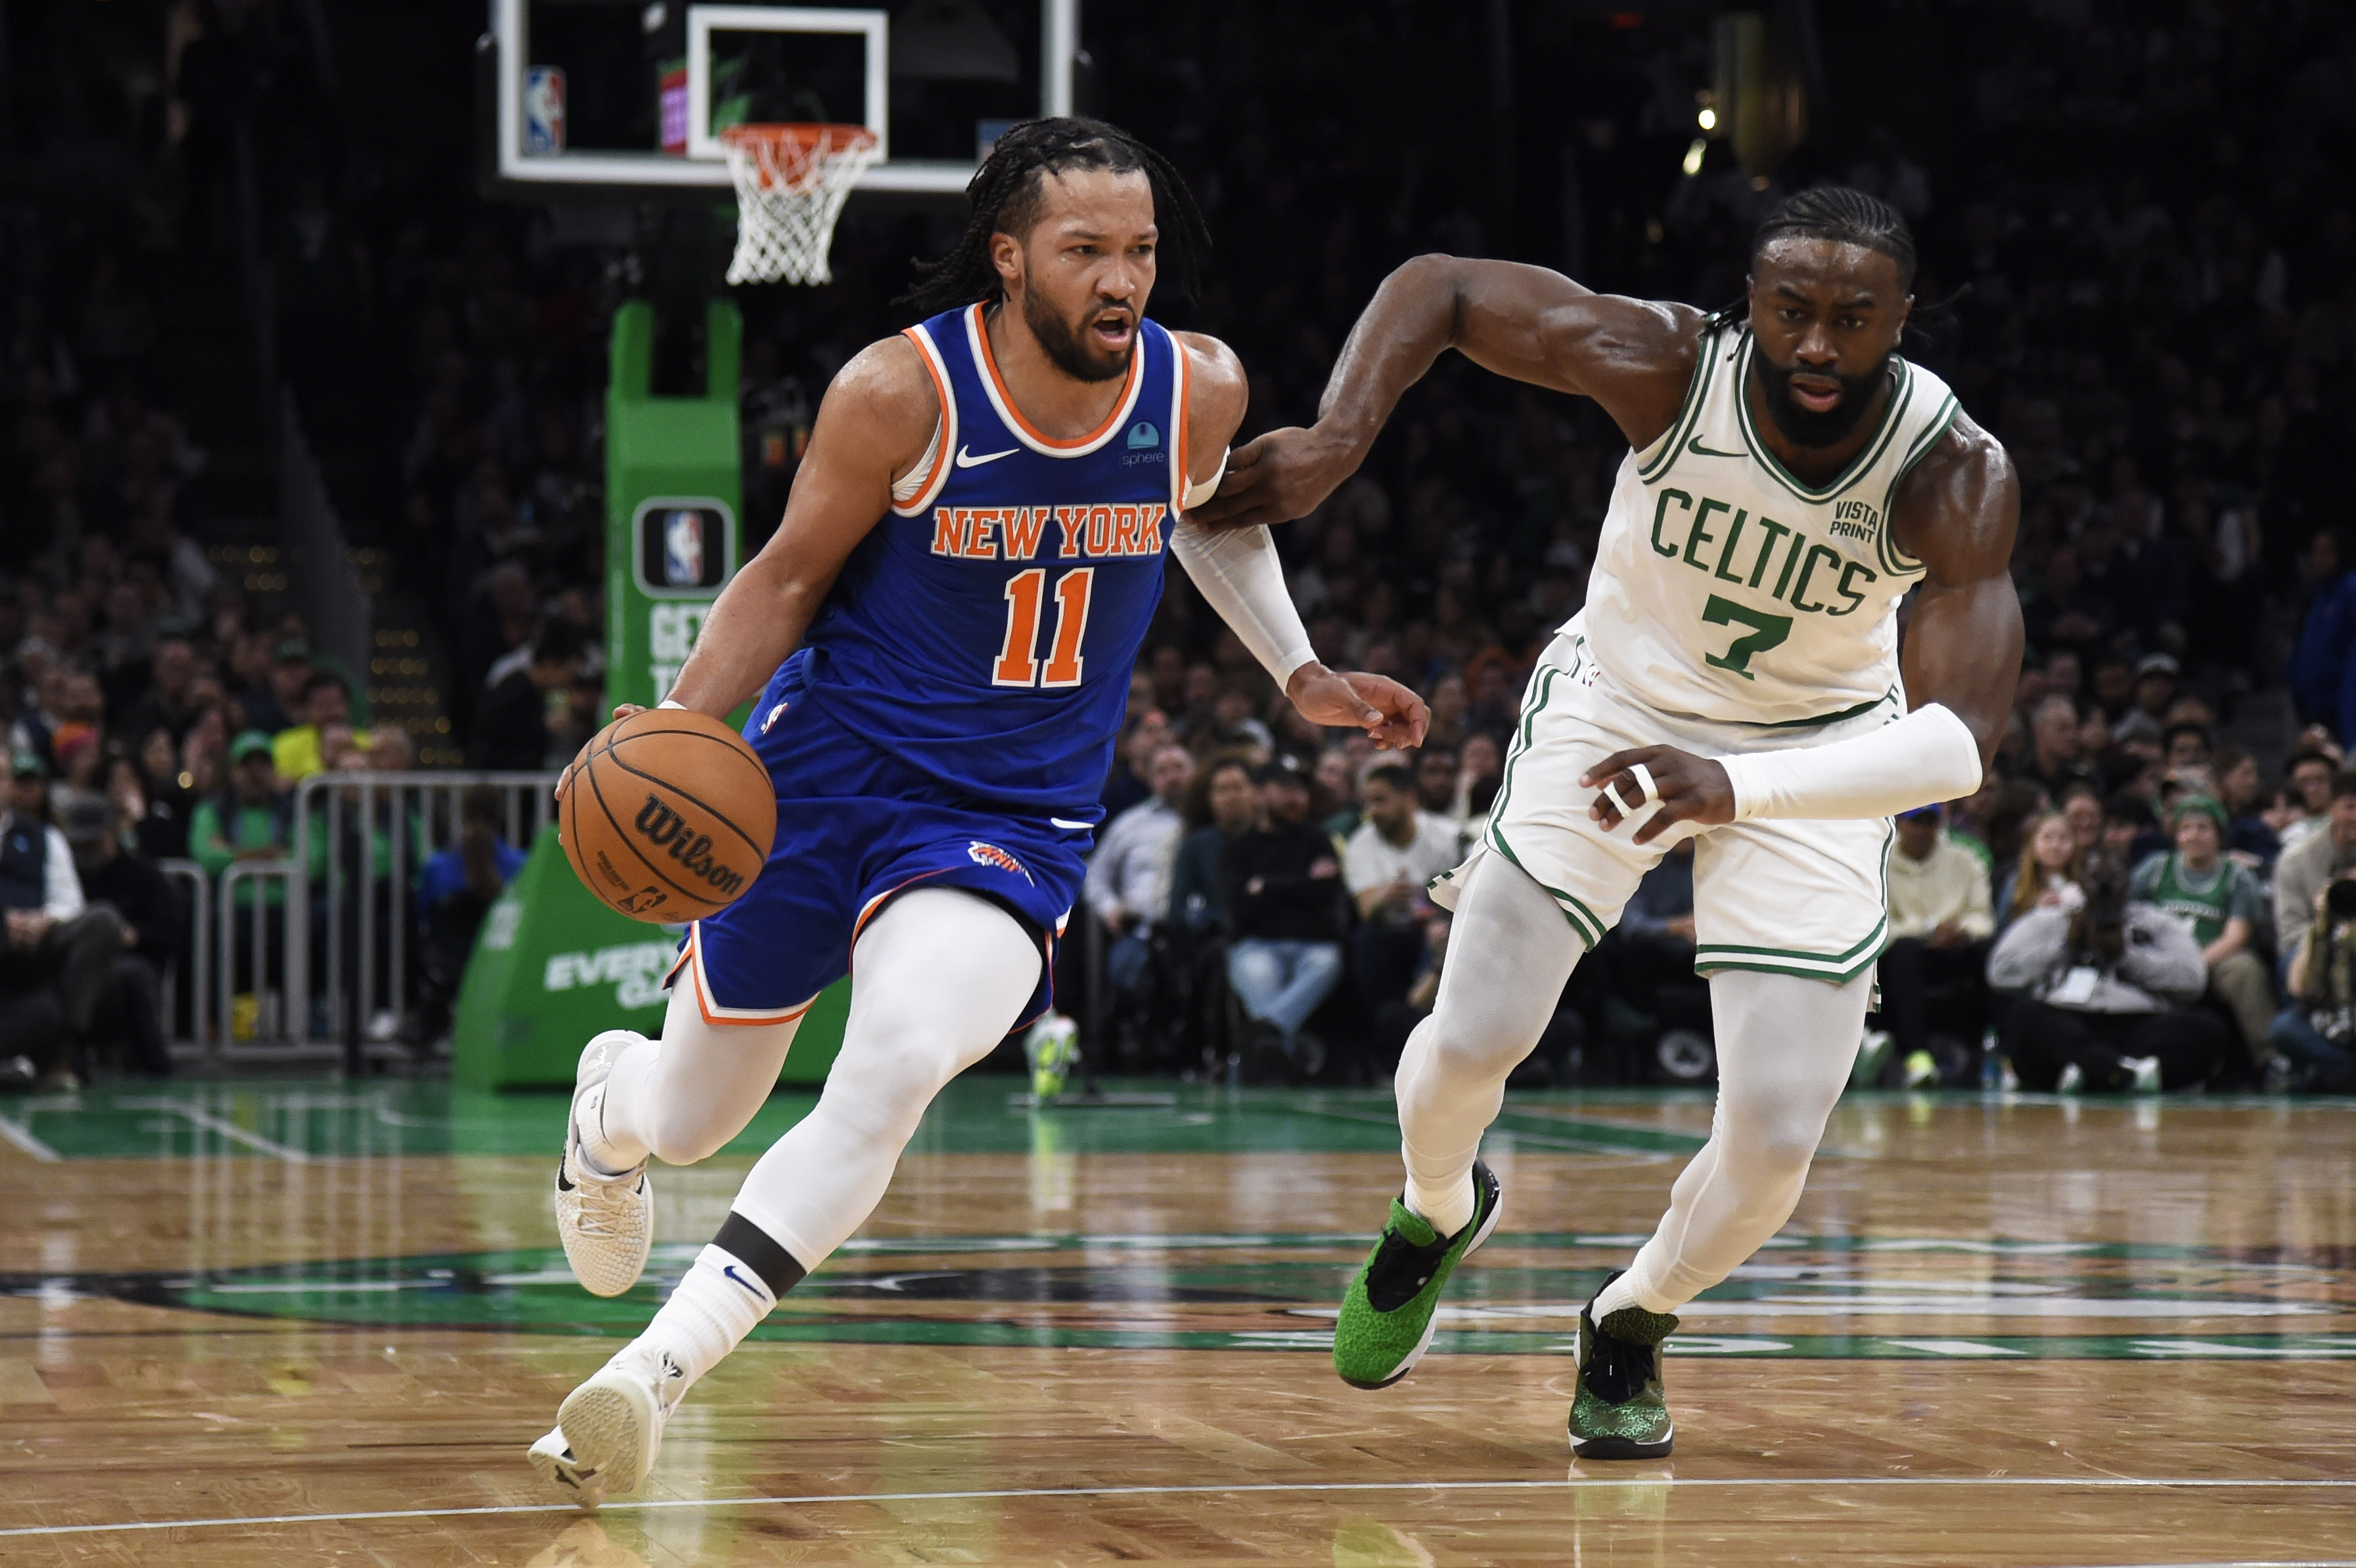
1142, 433
683, 549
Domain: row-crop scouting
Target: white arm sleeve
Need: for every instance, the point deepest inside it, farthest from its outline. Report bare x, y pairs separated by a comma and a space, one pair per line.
1241, 579
1928, 755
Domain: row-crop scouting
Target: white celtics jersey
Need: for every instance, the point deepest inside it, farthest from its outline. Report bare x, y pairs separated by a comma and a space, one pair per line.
1727, 589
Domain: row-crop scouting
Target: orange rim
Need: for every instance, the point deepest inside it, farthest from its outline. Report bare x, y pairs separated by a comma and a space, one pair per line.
789, 151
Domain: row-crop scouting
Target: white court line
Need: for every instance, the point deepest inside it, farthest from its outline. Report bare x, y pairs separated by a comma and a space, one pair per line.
2110, 1483
22, 1137
220, 1124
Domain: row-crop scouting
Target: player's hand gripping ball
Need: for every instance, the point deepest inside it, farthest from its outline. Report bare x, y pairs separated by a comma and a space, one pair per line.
666, 815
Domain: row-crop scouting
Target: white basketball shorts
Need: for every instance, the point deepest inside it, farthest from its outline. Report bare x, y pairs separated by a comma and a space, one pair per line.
1805, 898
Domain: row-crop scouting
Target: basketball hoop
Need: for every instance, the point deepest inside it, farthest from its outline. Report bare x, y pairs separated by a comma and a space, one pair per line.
791, 181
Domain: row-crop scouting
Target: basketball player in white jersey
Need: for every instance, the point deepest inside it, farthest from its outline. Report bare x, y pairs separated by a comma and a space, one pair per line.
1736, 678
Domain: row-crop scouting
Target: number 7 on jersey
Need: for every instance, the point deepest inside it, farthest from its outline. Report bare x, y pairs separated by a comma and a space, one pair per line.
1018, 663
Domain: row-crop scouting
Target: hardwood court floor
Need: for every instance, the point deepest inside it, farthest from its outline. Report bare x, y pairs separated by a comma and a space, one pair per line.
278, 1324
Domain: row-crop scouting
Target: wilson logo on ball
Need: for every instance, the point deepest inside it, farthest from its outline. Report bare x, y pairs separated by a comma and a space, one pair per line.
668, 831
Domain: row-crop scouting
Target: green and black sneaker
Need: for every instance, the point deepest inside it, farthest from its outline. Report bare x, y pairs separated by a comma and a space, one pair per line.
1386, 1318
1622, 1410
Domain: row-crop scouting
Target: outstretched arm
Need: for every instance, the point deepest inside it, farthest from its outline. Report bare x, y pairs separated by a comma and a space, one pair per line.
1239, 576
1956, 513
1633, 356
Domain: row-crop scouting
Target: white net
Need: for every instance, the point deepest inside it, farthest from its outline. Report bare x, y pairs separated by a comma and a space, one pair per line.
791, 181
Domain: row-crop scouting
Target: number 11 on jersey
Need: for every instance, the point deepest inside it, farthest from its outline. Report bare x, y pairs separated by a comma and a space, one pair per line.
1018, 663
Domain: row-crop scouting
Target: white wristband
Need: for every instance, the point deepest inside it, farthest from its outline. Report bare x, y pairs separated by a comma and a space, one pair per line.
1928, 755
667, 702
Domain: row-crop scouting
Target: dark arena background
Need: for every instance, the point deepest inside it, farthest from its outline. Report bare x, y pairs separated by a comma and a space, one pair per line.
374, 417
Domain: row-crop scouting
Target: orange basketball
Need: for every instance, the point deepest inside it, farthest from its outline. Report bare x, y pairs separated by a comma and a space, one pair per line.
670, 818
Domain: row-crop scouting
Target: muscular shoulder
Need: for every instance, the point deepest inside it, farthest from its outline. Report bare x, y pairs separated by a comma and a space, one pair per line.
1957, 510
886, 399
1636, 358
1217, 392
1658, 339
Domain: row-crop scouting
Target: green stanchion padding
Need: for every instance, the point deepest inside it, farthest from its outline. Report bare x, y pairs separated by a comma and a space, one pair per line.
554, 966
674, 485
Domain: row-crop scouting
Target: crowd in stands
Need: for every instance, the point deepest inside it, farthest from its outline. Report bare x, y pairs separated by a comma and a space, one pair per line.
2159, 327
2132, 899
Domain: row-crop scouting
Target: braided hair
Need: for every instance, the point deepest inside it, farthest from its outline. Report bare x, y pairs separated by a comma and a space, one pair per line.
1847, 217
1005, 194
1841, 214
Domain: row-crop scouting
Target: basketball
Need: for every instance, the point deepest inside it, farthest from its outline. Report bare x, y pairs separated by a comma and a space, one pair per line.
670, 816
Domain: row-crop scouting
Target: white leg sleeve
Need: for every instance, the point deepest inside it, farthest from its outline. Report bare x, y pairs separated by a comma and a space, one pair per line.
1786, 1046
938, 980
1509, 952
682, 1097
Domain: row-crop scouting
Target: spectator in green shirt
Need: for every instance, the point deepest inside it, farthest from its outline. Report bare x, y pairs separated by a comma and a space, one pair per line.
2220, 899
250, 820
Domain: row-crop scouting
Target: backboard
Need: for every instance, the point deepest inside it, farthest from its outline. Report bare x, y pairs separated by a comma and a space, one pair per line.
630, 96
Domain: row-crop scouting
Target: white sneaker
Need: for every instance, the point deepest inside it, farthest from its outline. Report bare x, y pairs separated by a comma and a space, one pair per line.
607, 1224
2146, 1073
608, 1429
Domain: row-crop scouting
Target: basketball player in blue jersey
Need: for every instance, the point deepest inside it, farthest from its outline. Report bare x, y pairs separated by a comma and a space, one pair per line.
937, 644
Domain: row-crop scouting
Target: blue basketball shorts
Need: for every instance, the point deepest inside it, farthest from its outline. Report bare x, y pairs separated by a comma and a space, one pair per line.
856, 826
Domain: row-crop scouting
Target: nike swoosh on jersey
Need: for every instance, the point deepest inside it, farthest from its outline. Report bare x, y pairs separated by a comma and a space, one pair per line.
1070, 826
1699, 450
966, 459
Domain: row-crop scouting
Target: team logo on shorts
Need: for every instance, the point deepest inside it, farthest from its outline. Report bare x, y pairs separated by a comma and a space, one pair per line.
992, 855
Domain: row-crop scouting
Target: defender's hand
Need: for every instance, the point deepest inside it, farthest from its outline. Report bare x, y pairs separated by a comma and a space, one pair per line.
1284, 475
1384, 708
564, 780
1687, 788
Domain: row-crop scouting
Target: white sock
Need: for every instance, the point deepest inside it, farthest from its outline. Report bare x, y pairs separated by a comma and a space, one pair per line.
1448, 1207
1622, 1293
710, 1311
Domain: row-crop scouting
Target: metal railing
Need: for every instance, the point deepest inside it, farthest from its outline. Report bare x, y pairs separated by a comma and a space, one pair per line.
199, 894
253, 897
317, 946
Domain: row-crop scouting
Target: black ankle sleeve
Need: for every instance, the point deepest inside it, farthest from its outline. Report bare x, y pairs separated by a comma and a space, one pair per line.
753, 1247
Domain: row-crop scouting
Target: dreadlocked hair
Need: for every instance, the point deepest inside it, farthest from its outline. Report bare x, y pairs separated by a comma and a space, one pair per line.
1005, 194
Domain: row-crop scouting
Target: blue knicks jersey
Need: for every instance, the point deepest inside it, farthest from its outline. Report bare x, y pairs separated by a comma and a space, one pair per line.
985, 630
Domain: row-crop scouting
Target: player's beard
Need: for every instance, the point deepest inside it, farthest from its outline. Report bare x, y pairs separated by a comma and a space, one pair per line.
1067, 343
1805, 426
